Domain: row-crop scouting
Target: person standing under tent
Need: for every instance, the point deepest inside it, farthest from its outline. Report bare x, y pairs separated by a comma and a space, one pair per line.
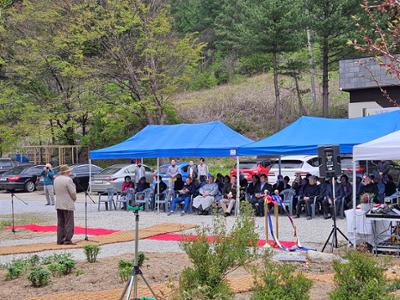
172, 172
202, 170
192, 171
65, 190
140, 172
48, 180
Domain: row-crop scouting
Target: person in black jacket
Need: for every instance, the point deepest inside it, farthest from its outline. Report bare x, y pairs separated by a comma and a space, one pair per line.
178, 184
251, 187
368, 186
279, 184
310, 191
260, 191
183, 195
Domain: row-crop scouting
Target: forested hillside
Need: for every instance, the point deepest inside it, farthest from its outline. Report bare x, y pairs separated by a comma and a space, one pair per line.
95, 72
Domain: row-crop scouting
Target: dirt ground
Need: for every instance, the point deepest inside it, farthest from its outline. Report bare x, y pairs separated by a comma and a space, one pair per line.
103, 275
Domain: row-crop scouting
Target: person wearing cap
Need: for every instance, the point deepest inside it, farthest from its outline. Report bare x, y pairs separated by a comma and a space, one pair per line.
140, 171
65, 190
48, 179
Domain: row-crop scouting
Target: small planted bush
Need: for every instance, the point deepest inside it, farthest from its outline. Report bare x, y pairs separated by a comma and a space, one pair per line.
15, 269
280, 282
39, 277
60, 264
91, 252
360, 278
125, 267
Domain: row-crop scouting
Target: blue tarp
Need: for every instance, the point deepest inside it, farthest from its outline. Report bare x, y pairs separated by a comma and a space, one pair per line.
213, 139
307, 133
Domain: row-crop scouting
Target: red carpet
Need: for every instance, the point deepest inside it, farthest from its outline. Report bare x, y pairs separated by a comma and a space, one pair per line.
188, 237
53, 228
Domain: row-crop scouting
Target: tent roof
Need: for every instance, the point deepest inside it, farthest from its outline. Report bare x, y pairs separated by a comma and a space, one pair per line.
305, 134
383, 148
182, 140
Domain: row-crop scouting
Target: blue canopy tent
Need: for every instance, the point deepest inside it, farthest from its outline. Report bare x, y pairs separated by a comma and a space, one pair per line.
212, 139
305, 134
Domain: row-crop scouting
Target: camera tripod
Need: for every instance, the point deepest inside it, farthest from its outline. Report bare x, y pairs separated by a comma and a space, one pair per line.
86, 206
335, 230
136, 271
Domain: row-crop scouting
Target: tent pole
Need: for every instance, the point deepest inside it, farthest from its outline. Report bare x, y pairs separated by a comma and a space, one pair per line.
237, 186
158, 185
366, 167
90, 176
354, 202
280, 165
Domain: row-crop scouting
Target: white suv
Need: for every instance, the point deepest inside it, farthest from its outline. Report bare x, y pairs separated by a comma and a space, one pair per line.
294, 164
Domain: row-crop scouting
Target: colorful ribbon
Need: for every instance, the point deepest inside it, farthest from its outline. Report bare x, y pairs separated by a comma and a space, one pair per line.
276, 199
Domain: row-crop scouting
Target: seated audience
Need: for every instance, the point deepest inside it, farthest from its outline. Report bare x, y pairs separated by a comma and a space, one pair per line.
368, 186
262, 188
142, 185
178, 184
127, 184
327, 203
286, 184
229, 196
220, 181
183, 195
206, 199
347, 191
278, 185
297, 183
309, 192
390, 186
251, 187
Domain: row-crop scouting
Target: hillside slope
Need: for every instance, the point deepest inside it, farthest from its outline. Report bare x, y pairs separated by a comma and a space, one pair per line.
248, 105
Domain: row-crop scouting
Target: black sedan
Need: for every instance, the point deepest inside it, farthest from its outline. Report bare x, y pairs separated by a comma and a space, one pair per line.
7, 164
79, 174
22, 177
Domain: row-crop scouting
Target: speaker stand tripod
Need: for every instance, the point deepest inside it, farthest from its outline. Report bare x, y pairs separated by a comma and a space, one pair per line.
335, 230
136, 271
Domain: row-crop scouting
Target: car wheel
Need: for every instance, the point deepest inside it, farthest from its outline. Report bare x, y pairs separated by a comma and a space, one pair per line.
29, 186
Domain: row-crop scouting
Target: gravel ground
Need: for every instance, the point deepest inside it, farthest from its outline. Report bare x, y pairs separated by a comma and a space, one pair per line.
312, 233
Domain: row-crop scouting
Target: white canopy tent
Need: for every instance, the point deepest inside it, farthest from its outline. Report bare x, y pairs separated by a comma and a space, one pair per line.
383, 148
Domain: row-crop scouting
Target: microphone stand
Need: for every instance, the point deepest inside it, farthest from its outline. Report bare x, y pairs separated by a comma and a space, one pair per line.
12, 210
86, 206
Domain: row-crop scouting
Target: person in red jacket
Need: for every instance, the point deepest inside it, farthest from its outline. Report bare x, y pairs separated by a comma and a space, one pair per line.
127, 184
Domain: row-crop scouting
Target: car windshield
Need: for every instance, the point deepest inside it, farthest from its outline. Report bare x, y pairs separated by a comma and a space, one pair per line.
5, 164
110, 170
247, 165
16, 170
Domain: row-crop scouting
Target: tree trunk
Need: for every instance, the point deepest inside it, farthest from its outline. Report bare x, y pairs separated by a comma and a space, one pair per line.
325, 77
277, 93
302, 110
312, 70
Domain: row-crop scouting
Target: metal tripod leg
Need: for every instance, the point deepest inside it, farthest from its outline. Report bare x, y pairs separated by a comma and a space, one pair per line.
148, 286
327, 240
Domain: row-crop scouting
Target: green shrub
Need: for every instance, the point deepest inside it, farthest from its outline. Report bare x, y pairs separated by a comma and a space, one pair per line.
34, 260
211, 262
360, 278
39, 277
280, 282
255, 64
91, 252
59, 264
15, 269
125, 267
